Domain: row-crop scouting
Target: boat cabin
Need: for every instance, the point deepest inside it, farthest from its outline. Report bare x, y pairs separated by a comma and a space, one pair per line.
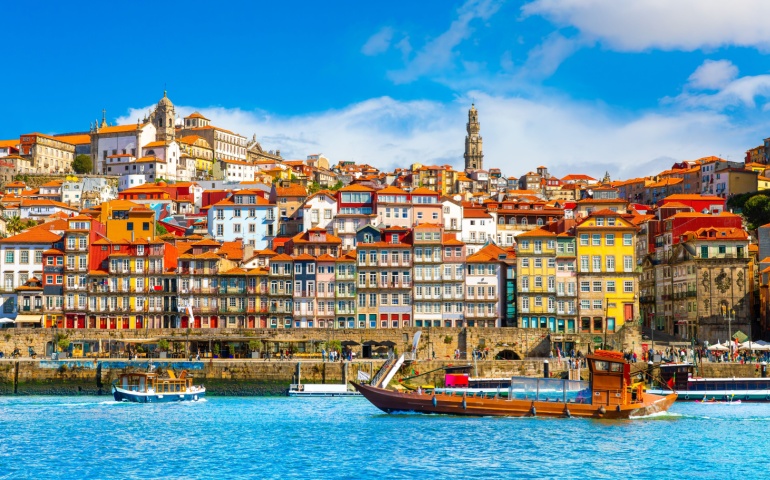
150, 382
610, 377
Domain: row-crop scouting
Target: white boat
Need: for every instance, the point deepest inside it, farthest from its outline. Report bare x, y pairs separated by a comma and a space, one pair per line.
321, 390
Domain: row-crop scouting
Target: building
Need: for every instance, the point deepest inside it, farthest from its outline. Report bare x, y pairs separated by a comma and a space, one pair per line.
226, 145
474, 154
606, 272
244, 216
47, 154
356, 208
536, 272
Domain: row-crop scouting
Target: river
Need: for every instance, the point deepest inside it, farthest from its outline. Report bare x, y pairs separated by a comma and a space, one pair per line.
325, 438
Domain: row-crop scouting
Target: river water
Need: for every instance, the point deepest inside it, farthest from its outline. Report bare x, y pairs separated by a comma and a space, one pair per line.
325, 438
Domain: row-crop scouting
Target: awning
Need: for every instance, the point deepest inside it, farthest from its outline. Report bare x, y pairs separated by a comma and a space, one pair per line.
5, 320
28, 319
136, 340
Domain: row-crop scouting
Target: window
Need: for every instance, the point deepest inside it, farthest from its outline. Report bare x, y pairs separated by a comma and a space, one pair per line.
628, 263
610, 239
596, 239
610, 286
583, 239
597, 286
597, 304
628, 286
236, 228
596, 261
584, 263
538, 263
9, 256
38, 256
585, 286
130, 226
525, 263
24, 256
628, 239
610, 263
220, 229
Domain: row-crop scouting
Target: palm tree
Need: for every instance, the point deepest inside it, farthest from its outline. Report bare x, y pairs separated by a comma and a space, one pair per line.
14, 225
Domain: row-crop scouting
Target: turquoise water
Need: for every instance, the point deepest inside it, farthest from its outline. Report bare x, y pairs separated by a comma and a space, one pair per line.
326, 438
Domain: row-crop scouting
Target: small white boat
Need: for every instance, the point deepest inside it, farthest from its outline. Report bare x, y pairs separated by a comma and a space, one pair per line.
321, 390
150, 388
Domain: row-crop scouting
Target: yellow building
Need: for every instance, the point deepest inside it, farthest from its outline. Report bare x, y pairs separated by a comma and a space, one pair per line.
607, 278
763, 183
536, 272
126, 220
199, 149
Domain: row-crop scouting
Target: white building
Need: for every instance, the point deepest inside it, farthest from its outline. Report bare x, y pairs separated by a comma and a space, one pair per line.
319, 211
129, 180
453, 215
478, 227
234, 170
39, 209
21, 258
118, 140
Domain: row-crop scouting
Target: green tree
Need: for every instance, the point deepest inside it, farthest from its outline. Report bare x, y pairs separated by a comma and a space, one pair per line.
756, 210
82, 164
314, 187
160, 229
336, 186
255, 345
14, 225
163, 345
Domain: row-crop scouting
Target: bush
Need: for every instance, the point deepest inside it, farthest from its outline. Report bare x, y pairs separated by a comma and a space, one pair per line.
163, 345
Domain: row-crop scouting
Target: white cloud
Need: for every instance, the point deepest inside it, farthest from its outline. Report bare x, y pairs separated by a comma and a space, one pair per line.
636, 25
378, 43
566, 136
713, 75
439, 53
730, 90
544, 59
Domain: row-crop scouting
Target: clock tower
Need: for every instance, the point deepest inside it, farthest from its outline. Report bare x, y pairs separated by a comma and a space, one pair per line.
474, 157
164, 120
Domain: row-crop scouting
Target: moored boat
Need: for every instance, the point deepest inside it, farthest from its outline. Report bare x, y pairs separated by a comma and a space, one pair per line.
149, 387
608, 394
679, 376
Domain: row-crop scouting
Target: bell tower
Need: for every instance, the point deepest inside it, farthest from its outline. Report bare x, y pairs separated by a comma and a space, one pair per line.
164, 120
474, 156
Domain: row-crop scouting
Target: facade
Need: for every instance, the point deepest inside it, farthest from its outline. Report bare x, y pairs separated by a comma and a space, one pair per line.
244, 216
607, 277
47, 154
226, 145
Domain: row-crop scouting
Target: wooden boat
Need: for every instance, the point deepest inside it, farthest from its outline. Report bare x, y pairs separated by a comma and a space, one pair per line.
149, 387
692, 388
607, 395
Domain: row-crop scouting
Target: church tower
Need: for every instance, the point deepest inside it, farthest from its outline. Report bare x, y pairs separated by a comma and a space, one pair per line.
474, 157
164, 120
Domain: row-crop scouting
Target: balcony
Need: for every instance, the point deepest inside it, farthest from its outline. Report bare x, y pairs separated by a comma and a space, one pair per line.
77, 248
276, 309
232, 309
232, 290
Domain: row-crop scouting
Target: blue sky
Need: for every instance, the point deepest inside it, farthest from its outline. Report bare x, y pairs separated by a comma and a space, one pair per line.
577, 85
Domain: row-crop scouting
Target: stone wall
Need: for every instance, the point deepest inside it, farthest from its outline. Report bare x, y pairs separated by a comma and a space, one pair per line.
443, 342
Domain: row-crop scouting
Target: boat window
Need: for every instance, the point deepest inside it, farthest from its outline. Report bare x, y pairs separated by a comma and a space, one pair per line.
616, 367
601, 366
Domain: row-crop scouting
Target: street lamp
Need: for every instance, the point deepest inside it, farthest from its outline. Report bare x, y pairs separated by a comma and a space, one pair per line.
730, 330
53, 343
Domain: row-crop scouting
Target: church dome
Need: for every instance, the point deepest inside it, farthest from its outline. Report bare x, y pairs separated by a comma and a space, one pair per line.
165, 101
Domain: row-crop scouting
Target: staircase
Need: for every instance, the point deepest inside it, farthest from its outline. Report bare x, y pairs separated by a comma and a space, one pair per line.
383, 370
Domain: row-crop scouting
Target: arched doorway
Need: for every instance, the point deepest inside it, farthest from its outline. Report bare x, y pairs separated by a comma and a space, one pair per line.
507, 355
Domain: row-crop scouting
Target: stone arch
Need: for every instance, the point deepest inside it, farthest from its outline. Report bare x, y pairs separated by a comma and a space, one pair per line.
507, 354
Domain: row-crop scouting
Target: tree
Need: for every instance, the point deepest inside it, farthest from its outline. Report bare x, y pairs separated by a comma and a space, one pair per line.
756, 210
14, 225
160, 229
82, 164
314, 187
336, 186
163, 345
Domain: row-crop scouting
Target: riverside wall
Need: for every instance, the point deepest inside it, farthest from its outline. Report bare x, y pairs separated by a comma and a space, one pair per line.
440, 343
226, 377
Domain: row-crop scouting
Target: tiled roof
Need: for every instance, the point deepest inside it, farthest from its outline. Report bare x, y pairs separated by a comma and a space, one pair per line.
33, 235
293, 190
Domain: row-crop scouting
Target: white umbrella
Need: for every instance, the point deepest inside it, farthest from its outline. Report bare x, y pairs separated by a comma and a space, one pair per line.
718, 348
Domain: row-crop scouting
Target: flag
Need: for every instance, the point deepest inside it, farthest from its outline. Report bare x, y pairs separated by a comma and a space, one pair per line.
670, 383
363, 376
190, 312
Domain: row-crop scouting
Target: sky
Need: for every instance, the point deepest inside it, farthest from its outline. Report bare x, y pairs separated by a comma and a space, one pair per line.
580, 86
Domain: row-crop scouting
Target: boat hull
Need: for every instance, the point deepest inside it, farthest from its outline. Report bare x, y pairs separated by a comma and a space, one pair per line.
391, 402
122, 395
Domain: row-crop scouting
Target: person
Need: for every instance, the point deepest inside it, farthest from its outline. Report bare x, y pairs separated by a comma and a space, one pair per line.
419, 390
323, 355
433, 353
198, 356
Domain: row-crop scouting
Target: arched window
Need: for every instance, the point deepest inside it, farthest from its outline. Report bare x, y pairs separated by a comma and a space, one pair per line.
524, 221
501, 221
512, 221
539, 222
